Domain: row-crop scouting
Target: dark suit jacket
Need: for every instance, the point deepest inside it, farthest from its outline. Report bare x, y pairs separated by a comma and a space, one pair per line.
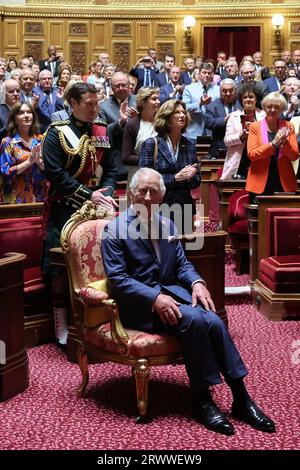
185, 78
272, 84
45, 65
214, 120
139, 74
164, 93
168, 167
110, 113
131, 131
135, 273
4, 113
161, 79
46, 106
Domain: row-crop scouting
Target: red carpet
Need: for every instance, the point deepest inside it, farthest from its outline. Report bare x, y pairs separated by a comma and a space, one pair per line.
48, 415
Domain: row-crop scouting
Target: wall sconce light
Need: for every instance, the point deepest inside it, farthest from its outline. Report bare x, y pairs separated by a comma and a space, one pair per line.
277, 22
188, 23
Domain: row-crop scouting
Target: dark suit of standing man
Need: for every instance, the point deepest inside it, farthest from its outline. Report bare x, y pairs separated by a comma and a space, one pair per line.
145, 75
217, 115
159, 290
52, 62
112, 112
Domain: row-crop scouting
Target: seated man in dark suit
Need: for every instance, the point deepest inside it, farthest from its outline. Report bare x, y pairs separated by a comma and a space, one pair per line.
159, 290
217, 115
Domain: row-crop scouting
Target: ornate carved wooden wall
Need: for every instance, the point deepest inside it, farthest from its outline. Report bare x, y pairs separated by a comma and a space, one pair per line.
82, 33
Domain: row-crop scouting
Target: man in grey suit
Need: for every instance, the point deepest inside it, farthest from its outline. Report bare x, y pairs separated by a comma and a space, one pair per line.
217, 115
247, 71
115, 111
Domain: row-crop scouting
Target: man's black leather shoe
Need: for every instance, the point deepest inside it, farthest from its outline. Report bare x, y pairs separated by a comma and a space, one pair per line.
251, 414
213, 419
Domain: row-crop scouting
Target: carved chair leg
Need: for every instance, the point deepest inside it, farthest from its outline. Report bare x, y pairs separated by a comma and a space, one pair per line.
141, 374
83, 364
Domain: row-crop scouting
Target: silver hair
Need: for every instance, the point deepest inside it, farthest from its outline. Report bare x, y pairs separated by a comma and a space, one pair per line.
228, 81
146, 171
276, 97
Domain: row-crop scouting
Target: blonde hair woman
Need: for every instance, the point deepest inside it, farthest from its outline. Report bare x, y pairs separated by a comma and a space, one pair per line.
139, 128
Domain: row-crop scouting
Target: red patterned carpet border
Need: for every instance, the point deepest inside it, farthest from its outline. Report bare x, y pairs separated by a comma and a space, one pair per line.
49, 416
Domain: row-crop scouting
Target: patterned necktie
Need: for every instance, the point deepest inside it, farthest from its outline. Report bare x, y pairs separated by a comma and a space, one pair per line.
147, 78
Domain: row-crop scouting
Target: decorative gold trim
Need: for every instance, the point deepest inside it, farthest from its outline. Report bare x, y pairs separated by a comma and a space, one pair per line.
88, 211
84, 148
107, 12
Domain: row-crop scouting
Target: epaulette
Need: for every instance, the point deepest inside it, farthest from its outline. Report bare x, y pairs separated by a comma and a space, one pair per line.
99, 122
60, 123
56, 124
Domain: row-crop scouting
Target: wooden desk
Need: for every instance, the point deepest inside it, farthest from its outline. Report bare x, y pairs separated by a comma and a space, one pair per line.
209, 170
209, 261
257, 226
226, 189
14, 373
17, 211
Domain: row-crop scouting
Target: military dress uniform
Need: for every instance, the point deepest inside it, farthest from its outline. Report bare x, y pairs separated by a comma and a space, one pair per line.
73, 153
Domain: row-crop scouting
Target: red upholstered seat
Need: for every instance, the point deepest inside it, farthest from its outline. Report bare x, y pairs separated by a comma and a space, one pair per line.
238, 229
236, 207
281, 273
283, 231
23, 235
140, 344
219, 173
33, 277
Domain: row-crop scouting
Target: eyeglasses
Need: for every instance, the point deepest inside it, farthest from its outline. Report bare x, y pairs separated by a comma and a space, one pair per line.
120, 85
12, 92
